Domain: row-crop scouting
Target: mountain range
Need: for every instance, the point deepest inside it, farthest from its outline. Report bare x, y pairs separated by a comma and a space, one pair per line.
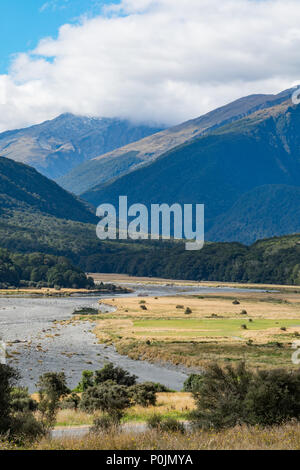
55, 147
37, 216
241, 160
247, 173
114, 164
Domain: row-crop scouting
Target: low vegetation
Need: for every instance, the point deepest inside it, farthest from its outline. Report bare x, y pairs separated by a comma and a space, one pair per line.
215, 331
234, 408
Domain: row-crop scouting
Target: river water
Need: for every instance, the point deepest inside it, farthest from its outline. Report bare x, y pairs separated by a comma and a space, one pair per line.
37, 344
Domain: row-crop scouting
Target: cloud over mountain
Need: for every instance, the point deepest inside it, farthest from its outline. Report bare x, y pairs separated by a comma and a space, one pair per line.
155, 60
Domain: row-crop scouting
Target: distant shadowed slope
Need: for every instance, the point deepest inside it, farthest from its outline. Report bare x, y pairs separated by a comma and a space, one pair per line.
263, 212
23, 188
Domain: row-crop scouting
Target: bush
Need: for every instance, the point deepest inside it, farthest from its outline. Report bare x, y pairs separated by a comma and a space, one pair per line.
192, 382
180, 306
230, 396
17, 421
273, 397
104, 423
107, 397
188, 311
22, 401
70, 403
8, 379
143, 307
25, 428
168, 425
87, 380
116, 374
244, 312
143, 394
236, 302
52, 387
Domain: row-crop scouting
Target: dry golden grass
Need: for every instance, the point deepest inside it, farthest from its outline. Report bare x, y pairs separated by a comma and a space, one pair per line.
212, 332
286, 437
176, 405
116, 278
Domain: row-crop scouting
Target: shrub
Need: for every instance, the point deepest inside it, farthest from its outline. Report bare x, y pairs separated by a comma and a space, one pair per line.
22, 401
17, 421
180, 306
104, 423
52, 387
273, 397
192, 382
244, 312
143, 394
116, 374
107, 397
87, 380
70, 403
168, 425
25, 428
188, 311
236, 302
229, 396
143, 307
8, 379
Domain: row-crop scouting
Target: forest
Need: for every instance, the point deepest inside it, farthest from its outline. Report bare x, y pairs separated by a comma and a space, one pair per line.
40, 270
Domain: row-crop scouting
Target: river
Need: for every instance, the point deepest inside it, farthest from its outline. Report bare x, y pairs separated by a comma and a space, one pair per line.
38, 344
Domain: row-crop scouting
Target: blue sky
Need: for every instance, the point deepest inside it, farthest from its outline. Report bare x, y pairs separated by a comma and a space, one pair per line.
24, 22
153, 61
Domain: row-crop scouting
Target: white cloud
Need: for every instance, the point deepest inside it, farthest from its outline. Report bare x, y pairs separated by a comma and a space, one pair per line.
156, 60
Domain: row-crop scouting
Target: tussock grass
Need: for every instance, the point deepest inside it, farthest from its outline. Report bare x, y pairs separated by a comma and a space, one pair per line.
286, 437
175, 405
212, 332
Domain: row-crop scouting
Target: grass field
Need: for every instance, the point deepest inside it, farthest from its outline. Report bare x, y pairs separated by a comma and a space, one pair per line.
257, 327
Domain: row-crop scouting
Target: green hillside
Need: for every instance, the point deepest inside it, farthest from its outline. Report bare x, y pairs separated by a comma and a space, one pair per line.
219, 169
22, 188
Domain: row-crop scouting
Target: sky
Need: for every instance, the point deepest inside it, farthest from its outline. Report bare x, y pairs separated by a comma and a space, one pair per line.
150, 61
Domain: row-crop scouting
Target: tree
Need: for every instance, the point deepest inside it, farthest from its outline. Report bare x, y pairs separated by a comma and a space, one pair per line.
116, 374
220, 396
8, 378
87, 380
235, 395
273, 397
143, 394
17, 421
21, 400
107, 397
52, 387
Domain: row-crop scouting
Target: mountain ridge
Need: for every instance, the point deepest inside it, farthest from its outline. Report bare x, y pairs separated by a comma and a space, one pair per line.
101, 169
55, 146
219, 168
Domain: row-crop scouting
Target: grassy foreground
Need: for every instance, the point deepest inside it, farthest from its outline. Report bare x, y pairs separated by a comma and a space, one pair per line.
169, 405
286, 437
